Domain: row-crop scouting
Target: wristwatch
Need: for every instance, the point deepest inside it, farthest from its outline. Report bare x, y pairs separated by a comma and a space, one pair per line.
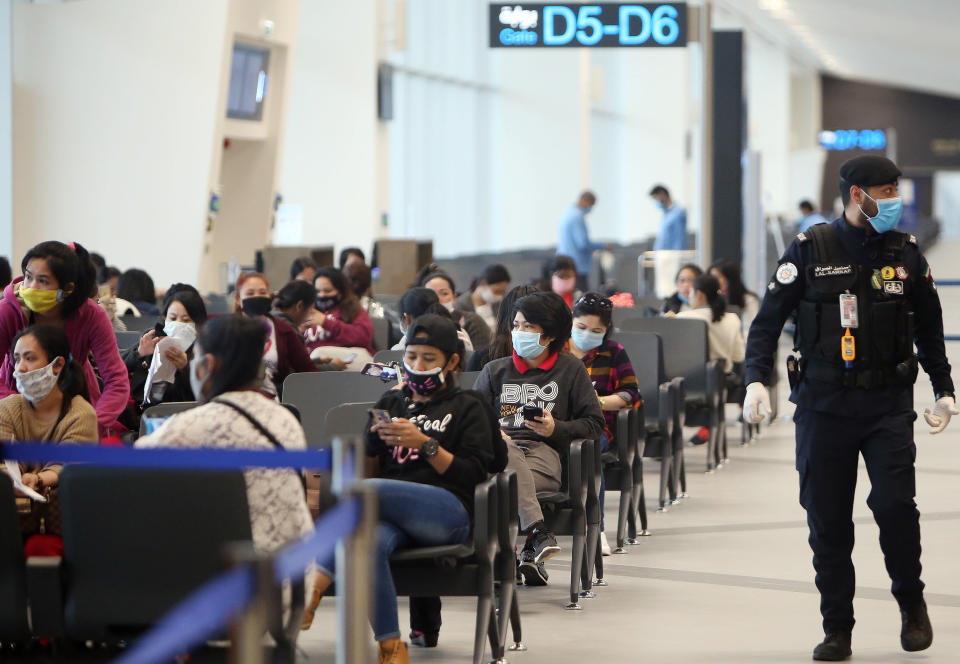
429, 448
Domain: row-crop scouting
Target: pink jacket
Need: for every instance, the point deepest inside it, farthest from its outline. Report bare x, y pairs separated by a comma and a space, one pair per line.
336, 332
88, 329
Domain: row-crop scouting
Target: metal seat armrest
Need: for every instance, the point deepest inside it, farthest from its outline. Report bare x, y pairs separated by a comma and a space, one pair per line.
667, 404
626, 444
485, 517
576, 471
45, 589
715, 382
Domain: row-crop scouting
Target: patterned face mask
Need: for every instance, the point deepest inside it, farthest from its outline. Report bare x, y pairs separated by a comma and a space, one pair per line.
36, 385
423, 383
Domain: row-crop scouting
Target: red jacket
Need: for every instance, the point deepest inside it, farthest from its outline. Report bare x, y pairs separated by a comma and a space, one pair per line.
292, 355
337, 332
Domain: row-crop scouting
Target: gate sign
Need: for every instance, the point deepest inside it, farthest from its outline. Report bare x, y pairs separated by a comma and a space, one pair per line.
608, 24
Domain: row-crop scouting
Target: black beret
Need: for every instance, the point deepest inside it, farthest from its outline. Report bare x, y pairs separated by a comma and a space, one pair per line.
436, 331
869, 171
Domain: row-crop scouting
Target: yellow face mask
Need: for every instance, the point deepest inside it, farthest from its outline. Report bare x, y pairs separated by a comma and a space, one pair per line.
41, 301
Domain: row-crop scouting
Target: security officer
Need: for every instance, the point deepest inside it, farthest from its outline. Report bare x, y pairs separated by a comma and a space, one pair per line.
863, 294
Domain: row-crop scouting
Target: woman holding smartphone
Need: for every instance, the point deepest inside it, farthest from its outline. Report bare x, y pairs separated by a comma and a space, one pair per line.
437, 445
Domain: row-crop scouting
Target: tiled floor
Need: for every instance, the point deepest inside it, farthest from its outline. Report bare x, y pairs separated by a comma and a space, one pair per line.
726, 576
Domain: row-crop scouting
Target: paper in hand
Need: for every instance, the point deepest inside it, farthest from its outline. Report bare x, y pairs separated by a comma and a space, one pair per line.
13, 469
162, 370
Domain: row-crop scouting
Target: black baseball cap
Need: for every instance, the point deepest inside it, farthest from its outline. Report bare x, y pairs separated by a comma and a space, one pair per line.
436, 331
868, 171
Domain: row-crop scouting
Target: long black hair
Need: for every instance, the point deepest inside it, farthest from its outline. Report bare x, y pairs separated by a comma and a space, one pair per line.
349, 304
502, 344
710, 286
736, 290
191, 300
53, 340
549, 311
135, 285
70, 263
237, 341
296, 291
416, 301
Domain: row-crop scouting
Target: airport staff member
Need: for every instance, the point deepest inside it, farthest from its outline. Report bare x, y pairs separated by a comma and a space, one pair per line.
573, 239
673, 226
864, 295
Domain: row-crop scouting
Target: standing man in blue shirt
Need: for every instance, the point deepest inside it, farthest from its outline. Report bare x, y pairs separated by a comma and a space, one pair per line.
573, 240
808, 217
673, 226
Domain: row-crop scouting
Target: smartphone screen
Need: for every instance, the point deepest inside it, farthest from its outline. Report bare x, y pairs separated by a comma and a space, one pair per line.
378, 415
349, 358
382, 371
158, 331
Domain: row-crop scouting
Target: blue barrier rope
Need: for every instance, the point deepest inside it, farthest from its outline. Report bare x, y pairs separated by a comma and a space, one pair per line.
207, 458
210, 608
947, 282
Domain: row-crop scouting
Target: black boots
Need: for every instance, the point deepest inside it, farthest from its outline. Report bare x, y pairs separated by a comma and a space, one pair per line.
916, 632
834, 648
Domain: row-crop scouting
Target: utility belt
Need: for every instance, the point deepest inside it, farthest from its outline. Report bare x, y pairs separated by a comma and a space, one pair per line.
903, 374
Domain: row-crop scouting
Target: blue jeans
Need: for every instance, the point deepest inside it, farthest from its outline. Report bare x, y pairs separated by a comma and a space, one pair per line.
604, 446
411, 514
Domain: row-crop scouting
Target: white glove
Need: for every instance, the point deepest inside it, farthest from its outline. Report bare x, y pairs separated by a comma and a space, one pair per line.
756, 404
943, 410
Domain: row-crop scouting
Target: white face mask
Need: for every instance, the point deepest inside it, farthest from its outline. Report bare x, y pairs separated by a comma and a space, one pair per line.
486, 293
181, 330
36, 385
196, 384
449, 306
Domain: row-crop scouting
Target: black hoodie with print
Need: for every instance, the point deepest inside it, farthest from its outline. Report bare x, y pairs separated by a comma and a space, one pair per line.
464, 425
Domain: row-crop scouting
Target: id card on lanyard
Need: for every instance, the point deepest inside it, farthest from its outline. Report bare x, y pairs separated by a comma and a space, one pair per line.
848, 311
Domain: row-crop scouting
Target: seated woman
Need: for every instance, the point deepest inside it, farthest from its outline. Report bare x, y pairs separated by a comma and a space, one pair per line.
51, 405
735, 292
680, 301
282, 348
539, 375
560, 277
441, 284
340, 327
136, 287
440, 443
359, 278
295, 304
609, 368
54, 290
303, 268
225, 375
417, 302
485, 294
502, 344
184, 314
724, 332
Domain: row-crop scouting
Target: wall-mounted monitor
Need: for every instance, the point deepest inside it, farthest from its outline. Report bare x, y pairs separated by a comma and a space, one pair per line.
248, 82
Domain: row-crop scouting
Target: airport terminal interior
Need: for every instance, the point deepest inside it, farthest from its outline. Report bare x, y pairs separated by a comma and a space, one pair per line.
472, 331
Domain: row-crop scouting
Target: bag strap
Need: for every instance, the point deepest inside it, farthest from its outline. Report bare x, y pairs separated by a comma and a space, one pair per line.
250, 418
826, 246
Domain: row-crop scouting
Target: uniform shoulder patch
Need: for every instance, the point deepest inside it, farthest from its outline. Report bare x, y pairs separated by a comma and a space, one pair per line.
912, 239
802, 237
787, 273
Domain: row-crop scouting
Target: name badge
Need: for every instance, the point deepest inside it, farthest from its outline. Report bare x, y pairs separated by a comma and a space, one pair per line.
823, 271
848, 311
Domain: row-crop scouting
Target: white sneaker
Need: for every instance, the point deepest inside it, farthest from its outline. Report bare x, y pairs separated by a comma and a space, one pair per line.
604, 544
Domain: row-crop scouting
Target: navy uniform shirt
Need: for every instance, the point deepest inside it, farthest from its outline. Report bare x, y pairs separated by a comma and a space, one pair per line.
785, 291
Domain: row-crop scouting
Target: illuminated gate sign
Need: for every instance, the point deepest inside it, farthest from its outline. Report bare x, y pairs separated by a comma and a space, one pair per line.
652, 24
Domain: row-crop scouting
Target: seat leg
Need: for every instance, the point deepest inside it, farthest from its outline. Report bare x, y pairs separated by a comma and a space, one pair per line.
515, 625
626, 504
576, 560
484, 609
589, 561
665, 475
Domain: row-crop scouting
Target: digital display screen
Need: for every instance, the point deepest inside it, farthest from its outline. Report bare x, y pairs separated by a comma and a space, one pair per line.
649, 24
852, 139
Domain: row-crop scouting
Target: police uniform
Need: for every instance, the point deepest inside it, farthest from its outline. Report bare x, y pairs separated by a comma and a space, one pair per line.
863, 406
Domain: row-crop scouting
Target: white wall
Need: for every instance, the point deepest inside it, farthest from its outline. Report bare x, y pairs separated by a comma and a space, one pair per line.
6, 130
114, 111
330, 149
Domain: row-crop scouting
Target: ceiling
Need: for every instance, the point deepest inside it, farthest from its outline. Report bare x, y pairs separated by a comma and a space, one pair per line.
905, 43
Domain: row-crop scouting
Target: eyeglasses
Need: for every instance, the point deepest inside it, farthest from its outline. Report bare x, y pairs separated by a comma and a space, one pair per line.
592, 300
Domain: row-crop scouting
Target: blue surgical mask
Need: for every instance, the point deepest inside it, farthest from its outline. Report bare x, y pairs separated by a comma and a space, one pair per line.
586, 340
683, 298
661, 205
527, 344
586, 210
888, 213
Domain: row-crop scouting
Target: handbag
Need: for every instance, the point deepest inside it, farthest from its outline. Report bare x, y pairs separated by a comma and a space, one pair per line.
44, 518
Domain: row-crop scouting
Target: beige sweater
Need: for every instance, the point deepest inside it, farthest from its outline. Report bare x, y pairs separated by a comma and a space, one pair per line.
19, 421
726, 335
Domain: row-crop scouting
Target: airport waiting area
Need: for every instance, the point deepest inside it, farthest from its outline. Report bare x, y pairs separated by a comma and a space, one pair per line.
464, 331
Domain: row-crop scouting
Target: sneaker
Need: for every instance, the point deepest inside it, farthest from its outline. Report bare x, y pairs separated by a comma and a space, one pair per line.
916, 632
834, 648
535, 574
543, 544
424, 639
604, 544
